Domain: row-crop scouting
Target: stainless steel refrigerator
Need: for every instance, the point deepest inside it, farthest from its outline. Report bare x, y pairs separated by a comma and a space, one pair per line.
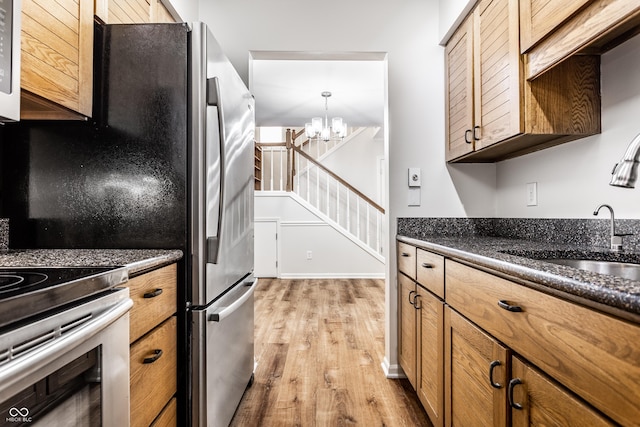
166, 162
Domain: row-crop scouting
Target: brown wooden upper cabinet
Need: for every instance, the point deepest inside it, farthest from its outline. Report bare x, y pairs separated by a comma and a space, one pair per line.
554, 30
493, 113
57, 52
132, 11
57, 59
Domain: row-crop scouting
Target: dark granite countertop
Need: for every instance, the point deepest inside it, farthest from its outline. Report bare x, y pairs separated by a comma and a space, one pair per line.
136, 260
514, 259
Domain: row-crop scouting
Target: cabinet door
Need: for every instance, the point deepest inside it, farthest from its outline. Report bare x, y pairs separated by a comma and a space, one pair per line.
538, 401
540, 17
57, 59
459, 91
476, 368
498, 71
407, 325
431, 355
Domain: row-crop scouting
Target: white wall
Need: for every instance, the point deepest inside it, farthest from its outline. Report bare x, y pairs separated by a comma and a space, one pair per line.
451, 14
573, 178
187, 10
300, 232
356, 161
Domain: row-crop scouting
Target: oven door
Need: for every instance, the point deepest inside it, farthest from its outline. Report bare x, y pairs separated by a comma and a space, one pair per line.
71, 366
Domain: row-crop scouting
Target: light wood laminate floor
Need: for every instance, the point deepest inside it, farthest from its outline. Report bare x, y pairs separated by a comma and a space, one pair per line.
319, 346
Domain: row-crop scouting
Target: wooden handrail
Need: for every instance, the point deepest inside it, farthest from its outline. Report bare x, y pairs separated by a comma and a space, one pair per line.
340, 180
271, 144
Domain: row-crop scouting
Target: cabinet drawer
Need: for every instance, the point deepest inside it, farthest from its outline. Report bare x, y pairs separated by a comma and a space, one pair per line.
407, 259
154, 300
430, 271
169, 415
593, 354
155, 382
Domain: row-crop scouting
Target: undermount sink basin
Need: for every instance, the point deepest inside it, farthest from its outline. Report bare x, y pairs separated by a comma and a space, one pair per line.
626, 270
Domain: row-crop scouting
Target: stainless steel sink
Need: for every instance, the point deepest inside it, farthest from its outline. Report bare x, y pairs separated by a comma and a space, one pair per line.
626, 270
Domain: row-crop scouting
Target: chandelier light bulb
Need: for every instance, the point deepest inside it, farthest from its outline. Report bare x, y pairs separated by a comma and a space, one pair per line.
319, 128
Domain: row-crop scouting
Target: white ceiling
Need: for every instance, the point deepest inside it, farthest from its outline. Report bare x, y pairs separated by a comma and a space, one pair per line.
287, 87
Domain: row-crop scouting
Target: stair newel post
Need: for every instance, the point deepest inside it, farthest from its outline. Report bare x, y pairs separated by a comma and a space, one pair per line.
289, 144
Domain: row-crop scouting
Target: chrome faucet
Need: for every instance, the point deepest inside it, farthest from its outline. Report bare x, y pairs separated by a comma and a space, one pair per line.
616, 239
625, 172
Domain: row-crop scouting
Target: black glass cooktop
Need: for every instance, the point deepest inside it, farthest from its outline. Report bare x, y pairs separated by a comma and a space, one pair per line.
27, 291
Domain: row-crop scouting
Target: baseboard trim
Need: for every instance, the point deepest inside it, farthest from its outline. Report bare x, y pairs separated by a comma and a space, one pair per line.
332, 276
392, 371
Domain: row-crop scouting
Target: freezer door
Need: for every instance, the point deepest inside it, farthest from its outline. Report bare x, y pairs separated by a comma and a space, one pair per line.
223, 357
225, 236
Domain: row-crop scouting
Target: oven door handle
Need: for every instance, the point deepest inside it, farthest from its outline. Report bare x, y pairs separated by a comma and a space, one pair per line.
220, 316
13, 371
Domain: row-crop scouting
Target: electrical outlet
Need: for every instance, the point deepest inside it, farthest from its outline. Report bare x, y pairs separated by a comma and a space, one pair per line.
532, 194
309, 255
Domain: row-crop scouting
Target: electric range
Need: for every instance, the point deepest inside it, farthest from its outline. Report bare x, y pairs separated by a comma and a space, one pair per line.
29, 291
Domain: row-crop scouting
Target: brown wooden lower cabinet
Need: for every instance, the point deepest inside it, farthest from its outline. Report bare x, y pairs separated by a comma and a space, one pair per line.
476, 368
497, 353
153, 350
540, 401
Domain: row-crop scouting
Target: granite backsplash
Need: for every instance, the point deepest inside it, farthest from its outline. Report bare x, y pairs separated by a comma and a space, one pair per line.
579, 232
4, 234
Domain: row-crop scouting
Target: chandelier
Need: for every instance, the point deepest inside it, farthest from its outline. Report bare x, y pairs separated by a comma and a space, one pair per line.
320, 129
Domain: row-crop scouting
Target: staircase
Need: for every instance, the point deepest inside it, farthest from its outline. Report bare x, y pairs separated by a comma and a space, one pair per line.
297, 167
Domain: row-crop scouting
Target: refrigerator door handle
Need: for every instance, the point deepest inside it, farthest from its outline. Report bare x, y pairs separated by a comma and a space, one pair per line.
213, 100
221, 315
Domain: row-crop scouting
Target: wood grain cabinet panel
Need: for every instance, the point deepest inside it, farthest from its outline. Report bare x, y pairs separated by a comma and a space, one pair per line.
407, 259
407, 314
430, 355
169, 415
133, 11
153, 336
538, 18
430, 272
472, 360
592, 27
542, 402
153, 364
493, 113
421, 327
57, 59
154, 300
594, 355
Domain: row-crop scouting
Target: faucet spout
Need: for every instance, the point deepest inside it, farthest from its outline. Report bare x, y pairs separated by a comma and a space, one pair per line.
625, 172
615, 239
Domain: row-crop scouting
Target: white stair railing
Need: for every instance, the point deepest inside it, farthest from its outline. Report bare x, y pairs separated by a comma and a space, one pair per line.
288, 167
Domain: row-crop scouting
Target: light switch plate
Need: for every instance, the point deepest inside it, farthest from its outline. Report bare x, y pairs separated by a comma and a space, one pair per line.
532, 194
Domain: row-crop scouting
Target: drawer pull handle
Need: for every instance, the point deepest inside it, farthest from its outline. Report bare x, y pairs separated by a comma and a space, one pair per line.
427, 265
405, 254
157, 354
513, 308
467, 138
410, 300
153, 294
512, 384
491, 369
